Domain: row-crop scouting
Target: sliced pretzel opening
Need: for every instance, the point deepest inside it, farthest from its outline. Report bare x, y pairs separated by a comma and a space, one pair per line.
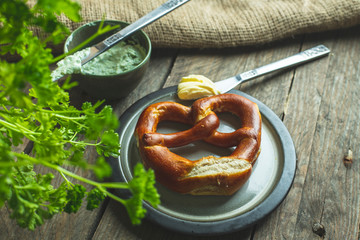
213, 165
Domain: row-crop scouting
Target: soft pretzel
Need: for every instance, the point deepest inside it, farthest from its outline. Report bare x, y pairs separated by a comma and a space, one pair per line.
209, 175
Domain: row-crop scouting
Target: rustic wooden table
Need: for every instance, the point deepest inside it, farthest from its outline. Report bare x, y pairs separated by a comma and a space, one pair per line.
318, 103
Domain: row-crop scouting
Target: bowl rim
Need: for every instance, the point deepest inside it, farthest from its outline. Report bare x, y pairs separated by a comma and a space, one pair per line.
143, 62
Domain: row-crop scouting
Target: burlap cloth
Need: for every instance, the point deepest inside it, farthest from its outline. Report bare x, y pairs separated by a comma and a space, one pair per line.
226, 23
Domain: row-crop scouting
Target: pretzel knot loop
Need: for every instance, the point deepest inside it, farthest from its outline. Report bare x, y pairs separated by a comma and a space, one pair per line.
209, 175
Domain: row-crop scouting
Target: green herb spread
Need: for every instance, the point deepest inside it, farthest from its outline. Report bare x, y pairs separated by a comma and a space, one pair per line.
121, 58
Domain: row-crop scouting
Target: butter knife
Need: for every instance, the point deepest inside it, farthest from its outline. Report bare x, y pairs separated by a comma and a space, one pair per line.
109, 42
297, 59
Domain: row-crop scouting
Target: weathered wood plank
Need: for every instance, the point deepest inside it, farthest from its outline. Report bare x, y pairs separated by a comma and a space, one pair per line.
301, 124
331, 193
273, 89
116, 225
320, 182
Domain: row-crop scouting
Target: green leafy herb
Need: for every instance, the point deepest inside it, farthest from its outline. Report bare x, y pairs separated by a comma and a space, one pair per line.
35, 111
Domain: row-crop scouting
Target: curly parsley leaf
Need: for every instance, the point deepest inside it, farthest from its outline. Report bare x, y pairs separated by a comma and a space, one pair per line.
36, 110
75, 197
94, 198
142, 188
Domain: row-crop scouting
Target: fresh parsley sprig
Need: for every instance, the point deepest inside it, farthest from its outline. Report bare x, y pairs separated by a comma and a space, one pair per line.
35, 111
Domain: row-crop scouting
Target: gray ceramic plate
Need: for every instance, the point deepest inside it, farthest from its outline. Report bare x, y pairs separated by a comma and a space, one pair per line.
268, 185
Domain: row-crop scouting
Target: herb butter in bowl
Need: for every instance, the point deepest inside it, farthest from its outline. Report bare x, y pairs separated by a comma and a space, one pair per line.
114, 73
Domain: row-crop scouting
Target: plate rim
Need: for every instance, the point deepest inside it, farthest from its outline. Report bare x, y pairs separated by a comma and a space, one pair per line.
236, 223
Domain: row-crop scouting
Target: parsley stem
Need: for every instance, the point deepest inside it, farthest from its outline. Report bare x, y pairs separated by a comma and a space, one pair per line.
17, 128
64, 172
118, 185
83, 143
69, 118
71, 174
24, 180
73, 137
57, 168
67, 181
31, 187
13, 164
20, 173
113, 196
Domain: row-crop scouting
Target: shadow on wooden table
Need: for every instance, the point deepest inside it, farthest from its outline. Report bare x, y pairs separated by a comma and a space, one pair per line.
121, 228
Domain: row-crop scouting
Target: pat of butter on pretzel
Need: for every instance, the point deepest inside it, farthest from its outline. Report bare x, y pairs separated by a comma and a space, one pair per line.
195, 87
209, 175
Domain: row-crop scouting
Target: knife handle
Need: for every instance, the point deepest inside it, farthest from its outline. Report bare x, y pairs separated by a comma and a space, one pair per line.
291, 61
297, 59
144, 21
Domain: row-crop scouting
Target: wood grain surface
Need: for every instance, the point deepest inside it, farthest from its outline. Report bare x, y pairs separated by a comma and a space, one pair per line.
319, 103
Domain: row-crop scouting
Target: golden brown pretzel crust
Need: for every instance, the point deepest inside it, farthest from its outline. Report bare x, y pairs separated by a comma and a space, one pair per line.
208, 175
